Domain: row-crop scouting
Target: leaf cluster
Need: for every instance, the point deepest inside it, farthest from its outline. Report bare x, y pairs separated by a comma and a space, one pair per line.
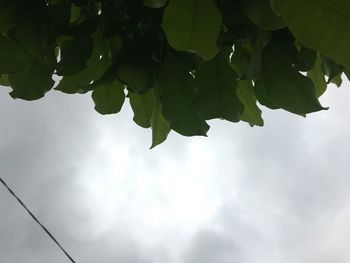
180, 63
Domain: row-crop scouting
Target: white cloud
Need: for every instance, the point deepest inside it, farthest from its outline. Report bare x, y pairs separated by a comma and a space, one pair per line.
271, 194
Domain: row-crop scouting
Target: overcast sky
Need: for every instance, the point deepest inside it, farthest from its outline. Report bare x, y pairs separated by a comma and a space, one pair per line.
242, 195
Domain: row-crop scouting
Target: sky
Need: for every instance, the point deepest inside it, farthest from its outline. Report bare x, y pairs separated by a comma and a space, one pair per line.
274, 194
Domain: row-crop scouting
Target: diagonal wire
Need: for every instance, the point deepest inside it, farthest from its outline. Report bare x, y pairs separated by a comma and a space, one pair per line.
36, 220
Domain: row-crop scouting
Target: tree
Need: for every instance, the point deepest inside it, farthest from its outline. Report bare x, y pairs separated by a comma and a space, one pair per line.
179, 62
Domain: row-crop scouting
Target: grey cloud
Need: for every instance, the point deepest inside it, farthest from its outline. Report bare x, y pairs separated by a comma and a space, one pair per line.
283, 188
209, 247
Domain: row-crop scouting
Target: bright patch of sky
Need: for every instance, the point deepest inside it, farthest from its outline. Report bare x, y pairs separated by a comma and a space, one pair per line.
272, 194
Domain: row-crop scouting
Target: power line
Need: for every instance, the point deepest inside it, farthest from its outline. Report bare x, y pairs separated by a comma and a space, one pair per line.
36, 220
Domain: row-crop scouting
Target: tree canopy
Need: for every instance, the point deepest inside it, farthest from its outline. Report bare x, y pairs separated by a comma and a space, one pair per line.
178, 62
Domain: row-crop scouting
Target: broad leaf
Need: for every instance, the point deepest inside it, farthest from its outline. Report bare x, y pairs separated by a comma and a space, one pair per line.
241, 57
8, 10
175, 87
31, 83
4, 80
74, 55
262, 14
137, 70
12, 57
246, 58
142, 106
305, 59
97, 64
160, 126
155, 3
251, 113
109, 98
148, 113
232, 14
317, 77
216, 91
193, 25
347, 74
254, 67
332, 70
58, 16
281, 85
337, 80
323, 25
30, 33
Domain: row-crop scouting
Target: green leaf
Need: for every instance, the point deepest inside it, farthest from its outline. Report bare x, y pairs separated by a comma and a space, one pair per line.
97, 64
160, 126
277, 5
142, 106
323, 25
317, 77
12, 57
332, 70
280, 85
155, 3
246, 58
4, 80
148, 113
8, 10
175, 87
216, 91
75, 13
337, 80
58, 16
251, 113
241, 57
347, 74
74, 55
253, 70
33, 82
231, 14
261, 13
31, 33
305, 59
193, 25
109, 98
137, 70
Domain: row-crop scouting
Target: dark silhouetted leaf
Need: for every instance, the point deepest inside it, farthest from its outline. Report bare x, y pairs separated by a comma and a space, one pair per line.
12, 57
97, 65
262, 14
281, 85
176, 88
254, 65
155, 3
109, 98
31, 83
137, 70
31, 34
305, 59
74, 55
216, 91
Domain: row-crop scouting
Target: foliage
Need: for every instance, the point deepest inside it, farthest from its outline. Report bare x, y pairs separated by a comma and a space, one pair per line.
178, 62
